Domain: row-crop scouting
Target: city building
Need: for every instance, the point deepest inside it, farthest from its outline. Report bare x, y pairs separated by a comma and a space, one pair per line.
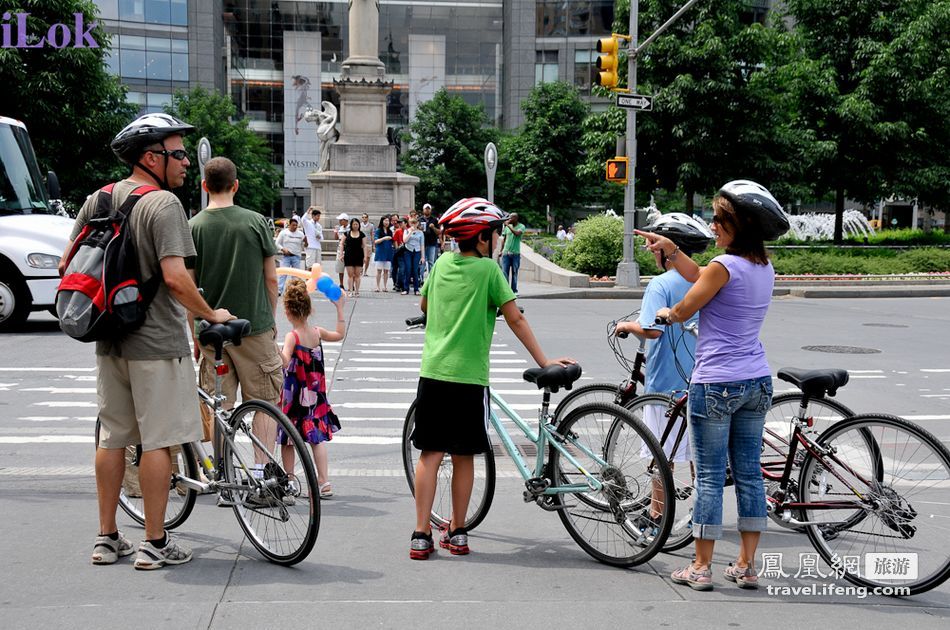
489, 52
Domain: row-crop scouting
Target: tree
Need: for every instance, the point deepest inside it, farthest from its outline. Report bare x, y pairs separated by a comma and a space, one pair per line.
873, 94
212, 115
715, 115
72, 106
446, 150
546, 152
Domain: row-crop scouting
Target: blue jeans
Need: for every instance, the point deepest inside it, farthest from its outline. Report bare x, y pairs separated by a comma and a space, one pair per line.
432, 252
726, 420
511, 262
287, 261
409, 268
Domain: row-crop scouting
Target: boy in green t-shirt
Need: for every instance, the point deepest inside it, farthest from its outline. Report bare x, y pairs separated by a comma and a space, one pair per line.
460, 298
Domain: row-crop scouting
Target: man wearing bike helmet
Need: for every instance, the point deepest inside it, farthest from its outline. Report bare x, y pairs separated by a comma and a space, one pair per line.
669, 353
460, 297
145, 381
731, 385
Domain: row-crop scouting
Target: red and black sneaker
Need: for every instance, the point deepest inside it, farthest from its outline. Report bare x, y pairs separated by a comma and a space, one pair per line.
456, 541
421, 546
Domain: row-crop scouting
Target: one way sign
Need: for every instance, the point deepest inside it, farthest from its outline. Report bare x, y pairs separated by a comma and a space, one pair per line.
635, 101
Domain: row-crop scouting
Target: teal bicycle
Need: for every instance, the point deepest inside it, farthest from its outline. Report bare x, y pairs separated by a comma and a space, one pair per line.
599, 488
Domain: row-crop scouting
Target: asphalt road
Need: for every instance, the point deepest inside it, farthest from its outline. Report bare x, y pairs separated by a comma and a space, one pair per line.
525, 570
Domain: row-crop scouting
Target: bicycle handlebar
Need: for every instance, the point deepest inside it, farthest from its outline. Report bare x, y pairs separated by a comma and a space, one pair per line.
415, 322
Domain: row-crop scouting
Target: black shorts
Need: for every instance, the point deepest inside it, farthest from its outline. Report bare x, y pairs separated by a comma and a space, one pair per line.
451, 417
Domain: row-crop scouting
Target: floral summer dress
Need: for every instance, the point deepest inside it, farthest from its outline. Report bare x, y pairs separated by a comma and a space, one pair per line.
304, 396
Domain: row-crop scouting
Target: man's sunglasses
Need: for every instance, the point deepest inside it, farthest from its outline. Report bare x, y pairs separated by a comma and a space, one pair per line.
178, 154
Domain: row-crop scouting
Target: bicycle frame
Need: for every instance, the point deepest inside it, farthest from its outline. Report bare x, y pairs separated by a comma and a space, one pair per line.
545, 436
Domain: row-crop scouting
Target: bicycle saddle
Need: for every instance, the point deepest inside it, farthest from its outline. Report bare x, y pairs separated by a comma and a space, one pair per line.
553, 377
216, 335
815, 383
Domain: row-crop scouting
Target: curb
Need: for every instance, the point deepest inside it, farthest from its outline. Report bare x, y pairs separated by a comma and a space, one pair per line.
808, 292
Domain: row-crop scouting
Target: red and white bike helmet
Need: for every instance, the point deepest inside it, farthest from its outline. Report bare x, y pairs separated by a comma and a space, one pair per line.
467, 218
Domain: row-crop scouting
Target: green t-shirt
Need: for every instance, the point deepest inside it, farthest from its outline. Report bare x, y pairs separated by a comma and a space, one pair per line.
463, 293
512, 242
232, 244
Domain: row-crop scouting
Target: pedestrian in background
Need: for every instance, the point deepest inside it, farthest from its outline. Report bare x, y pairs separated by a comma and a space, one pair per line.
511, 250
343, 225
412, 258
399, 248
290, 243
429, 224
313, 230
384, 253
731, 387
369, 230
354, 251
561, 233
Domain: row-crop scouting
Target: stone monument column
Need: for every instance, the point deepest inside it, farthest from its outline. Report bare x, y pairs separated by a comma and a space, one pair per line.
360, 175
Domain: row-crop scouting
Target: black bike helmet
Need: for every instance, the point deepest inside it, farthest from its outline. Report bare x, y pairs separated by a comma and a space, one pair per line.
690, 234
751, 198
147, 130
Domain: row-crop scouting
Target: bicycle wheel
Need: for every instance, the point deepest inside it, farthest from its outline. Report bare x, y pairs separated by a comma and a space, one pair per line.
276, 503
181, 499
483, 490
896, 484
684, 477
592, 392
775, 442
613, 524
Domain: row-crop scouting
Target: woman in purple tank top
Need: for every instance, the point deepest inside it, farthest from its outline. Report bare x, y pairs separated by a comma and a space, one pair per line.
731, 385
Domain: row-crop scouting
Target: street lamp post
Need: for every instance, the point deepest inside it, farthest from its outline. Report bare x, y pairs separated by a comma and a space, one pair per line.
204, 154
491, 164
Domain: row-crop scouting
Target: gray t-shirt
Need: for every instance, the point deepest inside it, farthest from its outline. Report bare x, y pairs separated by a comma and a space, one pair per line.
160, 230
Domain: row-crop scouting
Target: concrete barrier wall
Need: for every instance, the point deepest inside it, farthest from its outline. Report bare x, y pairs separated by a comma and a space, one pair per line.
537, 268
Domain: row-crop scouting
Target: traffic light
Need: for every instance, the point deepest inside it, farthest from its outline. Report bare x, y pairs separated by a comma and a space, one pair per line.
617, 169
608, 62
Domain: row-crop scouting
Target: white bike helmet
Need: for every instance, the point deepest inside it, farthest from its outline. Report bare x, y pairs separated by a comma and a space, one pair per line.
143, 132
690, 234
747, 197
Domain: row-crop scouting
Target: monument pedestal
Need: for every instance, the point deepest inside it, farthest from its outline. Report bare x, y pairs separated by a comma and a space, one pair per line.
361, 174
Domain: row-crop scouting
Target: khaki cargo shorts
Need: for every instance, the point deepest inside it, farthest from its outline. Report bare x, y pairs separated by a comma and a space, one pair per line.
151, 403
255, 364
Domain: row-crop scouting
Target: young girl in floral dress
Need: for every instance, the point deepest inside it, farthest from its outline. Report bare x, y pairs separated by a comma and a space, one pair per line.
304, 395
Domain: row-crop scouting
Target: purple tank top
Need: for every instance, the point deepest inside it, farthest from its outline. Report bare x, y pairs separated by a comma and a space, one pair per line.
728, 348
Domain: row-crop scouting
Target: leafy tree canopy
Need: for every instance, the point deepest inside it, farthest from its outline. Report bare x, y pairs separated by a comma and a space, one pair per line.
69, 102
212, 114
446, 150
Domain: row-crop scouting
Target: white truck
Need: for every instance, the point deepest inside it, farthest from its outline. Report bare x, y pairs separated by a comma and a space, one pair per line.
32, 235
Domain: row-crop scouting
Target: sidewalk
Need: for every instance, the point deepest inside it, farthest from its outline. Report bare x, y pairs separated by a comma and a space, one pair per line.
799, 288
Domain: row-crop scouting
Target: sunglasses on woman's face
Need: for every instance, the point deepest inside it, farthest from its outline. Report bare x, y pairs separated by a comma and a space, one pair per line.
178, 154
718, 219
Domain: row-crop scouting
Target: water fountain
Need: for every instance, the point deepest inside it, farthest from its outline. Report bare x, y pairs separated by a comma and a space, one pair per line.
821, 227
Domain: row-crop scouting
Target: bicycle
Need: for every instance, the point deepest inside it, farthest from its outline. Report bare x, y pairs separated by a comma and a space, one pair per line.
605, 517
873, 476
776, 437
279, 510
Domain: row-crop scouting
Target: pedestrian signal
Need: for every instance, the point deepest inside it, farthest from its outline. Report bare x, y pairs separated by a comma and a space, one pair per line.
617, 169
608, 62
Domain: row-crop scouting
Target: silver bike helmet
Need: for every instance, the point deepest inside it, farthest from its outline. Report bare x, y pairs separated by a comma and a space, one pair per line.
143, 132
753, 199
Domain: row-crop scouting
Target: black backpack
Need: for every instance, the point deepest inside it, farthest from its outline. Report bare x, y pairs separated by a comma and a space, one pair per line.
102, 295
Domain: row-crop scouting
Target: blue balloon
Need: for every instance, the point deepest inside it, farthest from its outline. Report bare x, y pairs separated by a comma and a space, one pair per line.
324, 283
334, 293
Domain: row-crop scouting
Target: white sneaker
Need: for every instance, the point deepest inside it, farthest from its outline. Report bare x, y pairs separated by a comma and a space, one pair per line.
108, 551
151, 557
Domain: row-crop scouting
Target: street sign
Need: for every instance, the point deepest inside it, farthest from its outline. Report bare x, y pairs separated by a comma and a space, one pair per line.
635, 101
617, 169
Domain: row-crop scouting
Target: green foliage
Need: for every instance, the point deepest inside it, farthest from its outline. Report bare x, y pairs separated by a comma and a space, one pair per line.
904, 237
543, 158
860, 261
446, 150
211, 114
597, 246
71, 105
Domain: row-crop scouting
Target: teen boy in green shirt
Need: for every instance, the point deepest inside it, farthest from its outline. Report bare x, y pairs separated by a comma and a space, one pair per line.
460, 298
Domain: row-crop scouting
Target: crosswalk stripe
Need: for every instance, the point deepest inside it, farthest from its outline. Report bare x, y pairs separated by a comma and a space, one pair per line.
64, 403
89, 471
414, 360
370, 368
64, 370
